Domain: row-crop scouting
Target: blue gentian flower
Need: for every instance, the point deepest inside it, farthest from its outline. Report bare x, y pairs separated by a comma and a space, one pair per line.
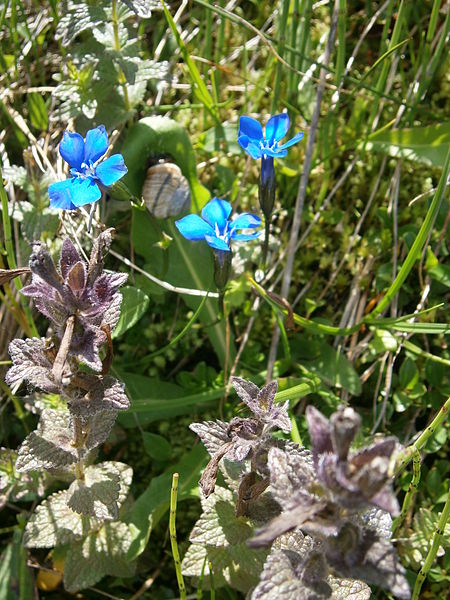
252, 140
89, 172
215, 227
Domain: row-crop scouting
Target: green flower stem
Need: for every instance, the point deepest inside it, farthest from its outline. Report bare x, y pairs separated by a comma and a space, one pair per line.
418, 244
122, 78
173, 536
30, 327
405, 457
421, 576
412, 489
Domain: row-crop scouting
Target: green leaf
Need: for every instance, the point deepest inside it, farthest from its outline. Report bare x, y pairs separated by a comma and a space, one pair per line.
156, 446
191, 266
134, 304
330, 365
154, 400
199, 86
440, 273
424, 144
16, 580
102, 552
152, 137
224, 539
222, 138
37, 111
98, 493
383, 341
409, 374
154, 502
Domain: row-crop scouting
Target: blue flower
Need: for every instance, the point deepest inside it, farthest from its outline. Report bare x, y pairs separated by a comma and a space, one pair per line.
87, 170
252, 140
215, 227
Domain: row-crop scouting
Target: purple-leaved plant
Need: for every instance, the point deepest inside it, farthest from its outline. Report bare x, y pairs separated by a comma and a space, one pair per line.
82, 303
326, 513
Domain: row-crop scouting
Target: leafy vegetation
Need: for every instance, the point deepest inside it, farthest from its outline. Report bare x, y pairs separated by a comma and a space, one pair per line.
342, 300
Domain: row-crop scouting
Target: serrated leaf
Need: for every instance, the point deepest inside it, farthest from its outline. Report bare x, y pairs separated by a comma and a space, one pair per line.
143, 8
105, 35
99, 428
212, 433
105, 393
53, 523
134, 305
281, 578
416, 544
50, 446
218, 525
97, 494
78, 18
101, 553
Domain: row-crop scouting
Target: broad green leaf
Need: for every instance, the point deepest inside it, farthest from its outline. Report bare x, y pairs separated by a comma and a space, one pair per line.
441, 274
184, 264
222, 138
409, 374
424, 144
191, 266
156, 446
37, 111
100, 553
134, 304
151, 506
154, 400
152, 137
224, 539
329, 364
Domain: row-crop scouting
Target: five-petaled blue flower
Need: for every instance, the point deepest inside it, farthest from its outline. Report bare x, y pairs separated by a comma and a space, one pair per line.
87, 170
252, 140
215, 228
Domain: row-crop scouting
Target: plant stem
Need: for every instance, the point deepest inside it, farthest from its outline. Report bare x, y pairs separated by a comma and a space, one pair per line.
418, 244
63, 350
173, 536
412, 489
421, 576
406, 456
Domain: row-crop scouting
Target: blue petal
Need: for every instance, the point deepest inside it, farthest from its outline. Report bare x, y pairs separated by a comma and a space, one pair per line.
71, 149
217, 243
253, 149
60, 196
194, 228
276, 128
111, 170
245, 237
216, 212
276, 153
96, 144
251, 128
297, 137
72, 193
246, 221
